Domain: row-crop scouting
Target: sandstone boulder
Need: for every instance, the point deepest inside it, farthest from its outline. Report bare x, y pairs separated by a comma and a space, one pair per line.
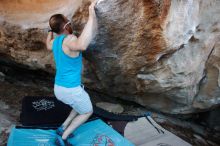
162, 54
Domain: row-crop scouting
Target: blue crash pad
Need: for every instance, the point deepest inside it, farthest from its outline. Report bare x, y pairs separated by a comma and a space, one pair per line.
94, 133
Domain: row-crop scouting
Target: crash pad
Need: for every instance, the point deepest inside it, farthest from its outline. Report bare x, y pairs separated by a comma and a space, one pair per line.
93, 133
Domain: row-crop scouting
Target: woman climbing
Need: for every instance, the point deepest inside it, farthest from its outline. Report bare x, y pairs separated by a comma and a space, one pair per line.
67, 50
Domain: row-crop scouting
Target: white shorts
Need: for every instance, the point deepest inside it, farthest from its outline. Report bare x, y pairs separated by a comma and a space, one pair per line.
76, 97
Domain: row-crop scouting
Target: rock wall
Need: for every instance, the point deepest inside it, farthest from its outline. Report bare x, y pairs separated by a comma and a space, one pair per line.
162, 54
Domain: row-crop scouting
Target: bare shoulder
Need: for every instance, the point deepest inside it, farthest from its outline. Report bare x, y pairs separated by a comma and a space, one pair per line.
72, 43
70, 38
67, 42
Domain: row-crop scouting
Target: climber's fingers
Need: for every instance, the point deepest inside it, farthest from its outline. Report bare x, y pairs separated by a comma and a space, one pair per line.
92, 7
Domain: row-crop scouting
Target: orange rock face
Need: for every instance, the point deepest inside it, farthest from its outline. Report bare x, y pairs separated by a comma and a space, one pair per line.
161, 54
35, 13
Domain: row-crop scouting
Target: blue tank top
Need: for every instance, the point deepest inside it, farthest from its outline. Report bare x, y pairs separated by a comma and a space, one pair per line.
68, 69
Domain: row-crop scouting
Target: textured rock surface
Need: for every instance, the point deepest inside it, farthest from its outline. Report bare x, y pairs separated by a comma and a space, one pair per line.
111, 107
7, 121
35, 13
157, 52
164, 54
2, 77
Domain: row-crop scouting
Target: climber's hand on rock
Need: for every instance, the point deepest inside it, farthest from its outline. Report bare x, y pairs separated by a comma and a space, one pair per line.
92, 9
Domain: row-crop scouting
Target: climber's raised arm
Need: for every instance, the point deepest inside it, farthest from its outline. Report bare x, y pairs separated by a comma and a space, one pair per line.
88, 32
49, 40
